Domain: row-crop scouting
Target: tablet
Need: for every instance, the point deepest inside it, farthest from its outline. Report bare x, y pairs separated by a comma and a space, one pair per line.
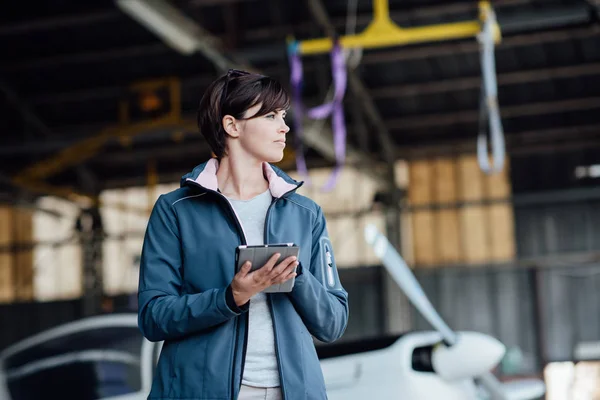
259, 255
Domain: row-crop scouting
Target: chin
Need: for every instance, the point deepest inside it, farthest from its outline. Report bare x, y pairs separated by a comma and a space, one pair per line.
274, 157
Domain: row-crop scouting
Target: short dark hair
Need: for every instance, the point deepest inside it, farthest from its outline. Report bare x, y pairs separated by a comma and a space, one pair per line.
233, 94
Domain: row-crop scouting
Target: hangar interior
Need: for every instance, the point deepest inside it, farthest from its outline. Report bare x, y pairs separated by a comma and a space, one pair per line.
99, 119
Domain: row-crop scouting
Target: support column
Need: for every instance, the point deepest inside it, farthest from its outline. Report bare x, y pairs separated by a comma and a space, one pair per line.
91, 235
398, 311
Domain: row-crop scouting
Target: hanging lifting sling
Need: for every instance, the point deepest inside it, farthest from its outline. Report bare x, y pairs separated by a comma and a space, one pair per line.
335, 108
384, 32
489, 113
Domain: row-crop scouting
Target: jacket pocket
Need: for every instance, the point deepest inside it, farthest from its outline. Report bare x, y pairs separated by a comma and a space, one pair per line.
163, 380
173, 371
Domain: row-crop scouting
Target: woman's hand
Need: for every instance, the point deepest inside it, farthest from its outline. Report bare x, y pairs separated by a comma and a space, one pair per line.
246, 284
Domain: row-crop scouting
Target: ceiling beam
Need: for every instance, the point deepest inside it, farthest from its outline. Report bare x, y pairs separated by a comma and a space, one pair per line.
200, 81
121, 53
389, 91
469, 47
86, 178
425, 121
380, 57
110, 15
86, 19
182, 131
63, 21
26, 112
474, 82
518, 143
277, 51
159, 152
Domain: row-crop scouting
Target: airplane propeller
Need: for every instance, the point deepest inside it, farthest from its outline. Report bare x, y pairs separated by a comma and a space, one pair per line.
401, 273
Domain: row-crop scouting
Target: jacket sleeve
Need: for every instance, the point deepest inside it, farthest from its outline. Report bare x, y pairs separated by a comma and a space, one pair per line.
318, 295
164, 312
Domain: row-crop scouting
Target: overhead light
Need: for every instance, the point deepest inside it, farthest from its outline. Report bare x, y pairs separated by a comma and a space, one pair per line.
171, 25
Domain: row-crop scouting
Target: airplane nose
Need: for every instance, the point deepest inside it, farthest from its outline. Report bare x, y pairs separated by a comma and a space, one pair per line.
473, 354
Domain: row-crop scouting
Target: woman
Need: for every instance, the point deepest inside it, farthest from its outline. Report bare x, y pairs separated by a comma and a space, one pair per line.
223, 337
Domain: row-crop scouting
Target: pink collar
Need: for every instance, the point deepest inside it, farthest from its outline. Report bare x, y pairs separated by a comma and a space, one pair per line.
277, 185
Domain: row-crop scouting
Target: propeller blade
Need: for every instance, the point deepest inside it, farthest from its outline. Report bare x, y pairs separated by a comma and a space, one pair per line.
524, 389
404, 277
492, 385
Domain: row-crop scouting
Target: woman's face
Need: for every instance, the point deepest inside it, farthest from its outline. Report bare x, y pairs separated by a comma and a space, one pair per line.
263, 137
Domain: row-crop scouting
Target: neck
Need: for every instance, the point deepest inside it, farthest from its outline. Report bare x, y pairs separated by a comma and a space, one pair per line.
241, 179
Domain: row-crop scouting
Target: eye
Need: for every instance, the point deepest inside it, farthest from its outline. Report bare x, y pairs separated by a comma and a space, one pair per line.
271, 116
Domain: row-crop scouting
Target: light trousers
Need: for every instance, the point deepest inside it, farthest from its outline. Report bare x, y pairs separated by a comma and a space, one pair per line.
255, 393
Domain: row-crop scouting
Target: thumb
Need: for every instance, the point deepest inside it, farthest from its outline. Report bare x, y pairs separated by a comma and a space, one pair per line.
245, 269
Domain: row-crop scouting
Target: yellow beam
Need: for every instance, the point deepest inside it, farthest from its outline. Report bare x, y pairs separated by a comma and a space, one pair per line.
383, 32
377, 36
87, 148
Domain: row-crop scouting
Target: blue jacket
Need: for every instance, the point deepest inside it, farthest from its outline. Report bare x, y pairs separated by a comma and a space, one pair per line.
185, 300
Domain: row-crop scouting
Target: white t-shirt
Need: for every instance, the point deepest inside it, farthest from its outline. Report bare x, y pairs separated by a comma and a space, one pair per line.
260, 369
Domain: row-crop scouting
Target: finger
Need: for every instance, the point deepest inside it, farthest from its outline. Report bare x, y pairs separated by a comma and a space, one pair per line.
287, 271
285, 264
245, 269
268, 267
286, 275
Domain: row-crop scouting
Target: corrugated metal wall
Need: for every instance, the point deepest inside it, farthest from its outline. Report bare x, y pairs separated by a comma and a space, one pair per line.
503, 303
557, 210
366, 299
547, 229
571, 308
496, 302
550, 301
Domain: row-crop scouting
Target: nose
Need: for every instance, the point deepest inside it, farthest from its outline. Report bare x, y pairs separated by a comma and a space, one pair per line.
284, 127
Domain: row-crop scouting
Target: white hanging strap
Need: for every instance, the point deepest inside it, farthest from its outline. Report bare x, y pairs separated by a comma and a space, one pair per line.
489, 110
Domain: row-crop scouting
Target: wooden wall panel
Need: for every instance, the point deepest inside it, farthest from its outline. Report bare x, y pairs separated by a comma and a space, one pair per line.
6, 259
16, 265
446, 219
459, 215
23, 258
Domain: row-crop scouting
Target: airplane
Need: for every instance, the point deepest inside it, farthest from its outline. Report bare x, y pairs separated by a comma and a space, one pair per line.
106, 358
454, 365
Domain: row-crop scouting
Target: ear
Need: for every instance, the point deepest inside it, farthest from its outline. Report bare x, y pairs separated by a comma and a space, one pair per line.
231, 126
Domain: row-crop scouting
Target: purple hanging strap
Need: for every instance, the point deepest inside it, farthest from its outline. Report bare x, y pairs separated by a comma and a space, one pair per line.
296, 83
334, 108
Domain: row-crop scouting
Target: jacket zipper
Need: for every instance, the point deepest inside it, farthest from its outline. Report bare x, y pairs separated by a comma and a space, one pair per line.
277, 348
237, 323
244, 241
266, 240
